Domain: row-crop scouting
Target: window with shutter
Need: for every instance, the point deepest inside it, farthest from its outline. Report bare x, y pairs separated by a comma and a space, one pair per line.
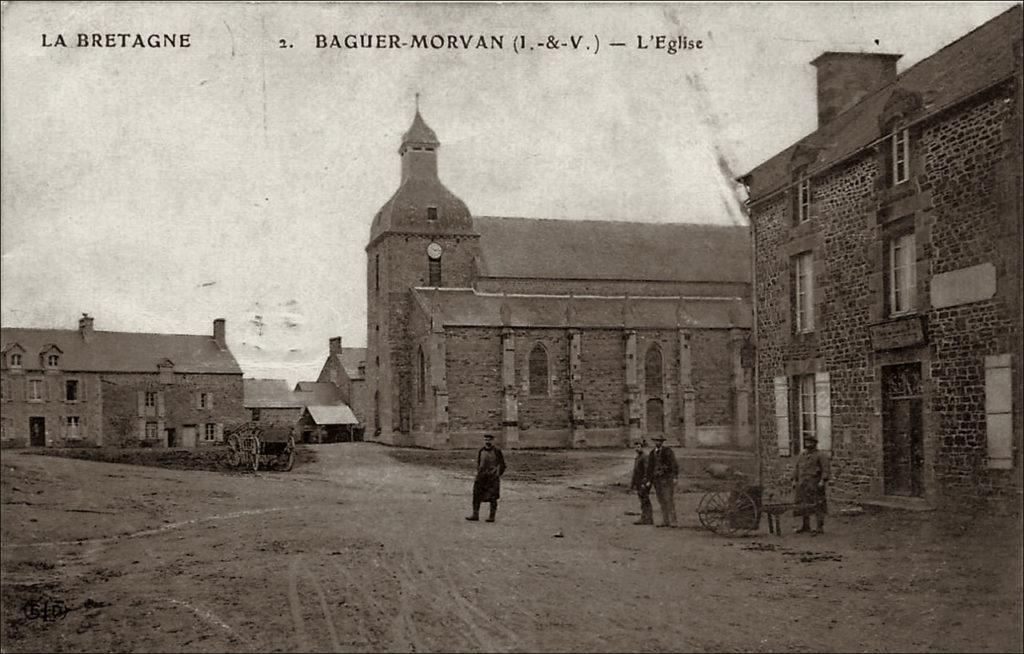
999, 411
823, 410
781, 386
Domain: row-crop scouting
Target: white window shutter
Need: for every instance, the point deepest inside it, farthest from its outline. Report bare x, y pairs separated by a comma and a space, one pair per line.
209, 401
218, 434
142, 429
999, 411
160, 430
823, 410
160, 404
782, 414
142, 403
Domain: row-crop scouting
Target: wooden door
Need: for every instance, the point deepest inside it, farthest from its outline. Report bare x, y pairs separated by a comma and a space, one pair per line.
902, 438
37, 432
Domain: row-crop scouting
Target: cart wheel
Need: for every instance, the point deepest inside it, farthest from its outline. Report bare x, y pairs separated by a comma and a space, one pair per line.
255, 453
288, 456
702, 509
713, 511
234, 452
744, 514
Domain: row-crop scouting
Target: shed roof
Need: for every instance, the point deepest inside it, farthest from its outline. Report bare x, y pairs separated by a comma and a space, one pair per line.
467, 307
335, 414
123, 351
593, 249
974, 62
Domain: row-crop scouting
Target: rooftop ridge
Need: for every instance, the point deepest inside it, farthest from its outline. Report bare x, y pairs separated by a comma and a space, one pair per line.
614, 222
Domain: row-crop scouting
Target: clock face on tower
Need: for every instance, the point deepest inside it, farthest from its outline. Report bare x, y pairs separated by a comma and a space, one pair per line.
434, 251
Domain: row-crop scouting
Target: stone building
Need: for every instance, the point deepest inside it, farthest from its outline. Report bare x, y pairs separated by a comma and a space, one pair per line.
345, 367
549, 333
887, 276
86, 387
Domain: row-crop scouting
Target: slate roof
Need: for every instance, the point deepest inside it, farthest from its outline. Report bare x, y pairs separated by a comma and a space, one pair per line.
269, 394
420, 132
976, 61
351, 358
469, 308
593, 249
277, 394
338, 414
122, 351
317, 392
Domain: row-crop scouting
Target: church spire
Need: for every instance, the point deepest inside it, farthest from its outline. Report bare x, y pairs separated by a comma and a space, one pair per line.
419, 149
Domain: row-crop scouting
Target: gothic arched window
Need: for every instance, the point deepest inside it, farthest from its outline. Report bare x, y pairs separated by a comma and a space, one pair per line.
653, 370
538, 370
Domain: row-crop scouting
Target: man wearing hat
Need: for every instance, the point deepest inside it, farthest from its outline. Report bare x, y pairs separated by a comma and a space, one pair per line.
490, 466
663, 471
641, 483
810, 474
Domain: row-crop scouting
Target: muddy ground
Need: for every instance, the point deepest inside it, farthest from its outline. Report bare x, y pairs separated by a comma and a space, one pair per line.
362, 548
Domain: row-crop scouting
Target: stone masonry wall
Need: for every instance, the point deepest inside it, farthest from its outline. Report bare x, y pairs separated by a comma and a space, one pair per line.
963, 209
122, 413
16, 409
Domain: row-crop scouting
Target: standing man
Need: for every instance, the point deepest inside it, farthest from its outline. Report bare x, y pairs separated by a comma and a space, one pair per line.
810, 474
490, 466
663, 471
641, 483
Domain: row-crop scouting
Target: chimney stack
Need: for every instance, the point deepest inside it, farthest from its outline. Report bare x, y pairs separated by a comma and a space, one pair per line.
218, 333
85, 326
845, 78
335, 345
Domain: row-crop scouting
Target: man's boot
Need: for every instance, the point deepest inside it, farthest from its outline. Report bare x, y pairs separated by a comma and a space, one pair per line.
476, 512
494, 509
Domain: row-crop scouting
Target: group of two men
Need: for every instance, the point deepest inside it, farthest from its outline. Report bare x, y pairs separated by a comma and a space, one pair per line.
657, 470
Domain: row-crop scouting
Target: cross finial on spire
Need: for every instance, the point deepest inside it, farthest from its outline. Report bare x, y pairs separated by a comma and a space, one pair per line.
417, 102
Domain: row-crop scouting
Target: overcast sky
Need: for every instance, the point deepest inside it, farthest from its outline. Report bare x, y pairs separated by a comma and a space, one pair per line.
160, 189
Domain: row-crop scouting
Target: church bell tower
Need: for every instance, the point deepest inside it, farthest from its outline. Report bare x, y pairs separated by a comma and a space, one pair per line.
422, 237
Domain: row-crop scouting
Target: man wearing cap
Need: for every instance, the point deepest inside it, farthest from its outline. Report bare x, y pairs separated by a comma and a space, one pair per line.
490, 466
641, 483
810, 474
663, 471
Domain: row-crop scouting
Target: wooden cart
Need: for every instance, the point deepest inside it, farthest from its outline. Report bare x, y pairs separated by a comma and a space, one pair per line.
251, 445
736, 510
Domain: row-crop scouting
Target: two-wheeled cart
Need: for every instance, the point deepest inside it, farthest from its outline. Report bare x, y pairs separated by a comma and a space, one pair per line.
251, 445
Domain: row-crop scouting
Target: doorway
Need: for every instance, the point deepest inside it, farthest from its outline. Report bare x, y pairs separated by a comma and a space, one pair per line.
172, 437
37, 432
902, 438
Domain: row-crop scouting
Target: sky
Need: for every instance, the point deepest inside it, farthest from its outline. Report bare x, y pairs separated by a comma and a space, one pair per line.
159, 189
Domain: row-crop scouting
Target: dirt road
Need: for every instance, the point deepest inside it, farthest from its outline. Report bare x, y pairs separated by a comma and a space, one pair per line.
362, 552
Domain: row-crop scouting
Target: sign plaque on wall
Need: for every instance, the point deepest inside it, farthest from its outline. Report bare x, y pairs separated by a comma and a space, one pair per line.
894, 334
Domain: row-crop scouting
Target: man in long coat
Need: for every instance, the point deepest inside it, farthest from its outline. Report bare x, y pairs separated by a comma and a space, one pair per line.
663, 471
490, 466
641, 483
810, 475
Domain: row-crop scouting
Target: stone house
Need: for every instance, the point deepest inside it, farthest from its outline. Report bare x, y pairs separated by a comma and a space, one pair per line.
316, 410
887, 277
549, 333
88, 387
345, 367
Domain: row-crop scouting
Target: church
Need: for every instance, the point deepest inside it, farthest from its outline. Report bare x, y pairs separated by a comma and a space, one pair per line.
550, 333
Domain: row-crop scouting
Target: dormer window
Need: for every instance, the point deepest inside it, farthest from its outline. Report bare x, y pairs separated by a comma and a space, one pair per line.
900, 156
803, 204
52, 360
431, 213
15, 360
